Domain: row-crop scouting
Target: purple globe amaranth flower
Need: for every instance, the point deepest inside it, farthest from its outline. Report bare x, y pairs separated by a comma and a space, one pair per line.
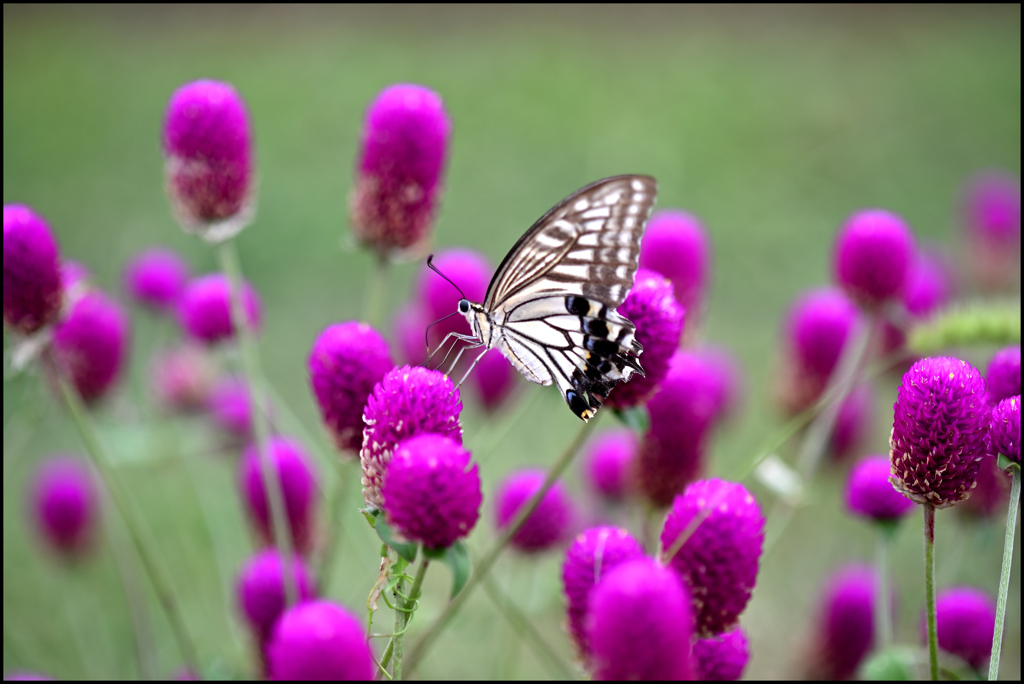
319, 640
398, 176
628, 640
929, 286
261, 590
845, 631
204, 308
208, 159
853, 422
819, 325
431, 493
64, 505
719, 560
873, 255
938, 432
721, 658
1003, 377
608, 462
410, 331
1004, 429
230, 406
870, 494
32, 282
723, 374
298, 484
992, 208
182, 378
550, 522
156, 278
90, 344
590, 557
658, 317
76, 279
346, 362
408, 401
493, 379
966, 619
676, 245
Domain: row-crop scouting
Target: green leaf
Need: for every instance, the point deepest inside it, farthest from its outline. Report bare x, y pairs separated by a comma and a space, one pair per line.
892, 664
1006, 464
406, 550
636, 419
371, 516
977, 323
455, 557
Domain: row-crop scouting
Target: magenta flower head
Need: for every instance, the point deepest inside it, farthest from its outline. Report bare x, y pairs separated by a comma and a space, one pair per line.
493, 379
319, 640
64, 505
1004, 429
723, 373
398, 176
721, 658
208, 159
410, 332
32, 283
719, 560
204, 308
261, 590
73, 274
90, 344
938, 432
853, 422
346, 361
873, 255
966, 619
230, 407
431, 493
1003, 377
156, 278
590, 557
658, 317
870, 494
845, 631
182, 378
992, 208
408, 401
628, 640
550, 522
298, 482
676, 245
608, 462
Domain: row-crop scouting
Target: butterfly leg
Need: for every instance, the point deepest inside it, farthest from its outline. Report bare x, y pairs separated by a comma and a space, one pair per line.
457, 336
474, 344
471, 366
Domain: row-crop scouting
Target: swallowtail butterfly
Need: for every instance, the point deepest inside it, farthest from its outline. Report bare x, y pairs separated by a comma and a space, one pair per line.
550, 307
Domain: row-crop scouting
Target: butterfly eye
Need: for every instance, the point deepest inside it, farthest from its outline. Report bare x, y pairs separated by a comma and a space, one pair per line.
464, 305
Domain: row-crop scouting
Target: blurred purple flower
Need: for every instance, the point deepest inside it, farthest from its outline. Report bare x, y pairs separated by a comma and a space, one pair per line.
1003, 377
182, 378
493, 379
319, 640
723, 373
870, 494
90, 344
32, 282
721, 658
966, 619
230, 407
873, 255
845, 631
261, 590
410, 331
204, 308
64, 505
930, 286
1004, 429
608, 461
74, 276
548, 525
298, 484
990, 493
992, 207
676, 245
853, 422
156, 278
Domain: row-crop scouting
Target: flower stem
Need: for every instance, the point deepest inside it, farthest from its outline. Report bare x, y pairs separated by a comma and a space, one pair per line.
882, 605
375, 287
488, 559
280, 530
402, 618
142, 637
1004, 575
929, 591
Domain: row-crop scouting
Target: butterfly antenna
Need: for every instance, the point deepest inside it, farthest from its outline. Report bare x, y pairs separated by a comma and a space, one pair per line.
430, 265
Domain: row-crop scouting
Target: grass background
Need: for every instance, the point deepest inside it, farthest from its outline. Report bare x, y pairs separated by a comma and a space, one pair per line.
770, 124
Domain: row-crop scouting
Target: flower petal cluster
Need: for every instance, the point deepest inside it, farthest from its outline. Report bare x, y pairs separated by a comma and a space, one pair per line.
938, 435
319, 640
1004, 429
156, 278
676, 245
90, 344
1003, 377
608, 462
261, 589
346, 362
64, 504
298, 484
992, 208
549, 523
32, 284
845, 630
230, 407
721, 658
204, 309
873, 255
870, 494
966, 619
431, 493
719, 560
182, 377
408, 401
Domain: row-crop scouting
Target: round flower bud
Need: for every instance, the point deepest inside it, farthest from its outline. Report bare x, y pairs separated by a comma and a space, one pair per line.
992, 208
1004, 429
182, 377
90, 344
938, 434
548, 524
319, 640
721, 658
208, 159
298, 484
156, 278
873, 254
64, 505
870, 494
590, 557
652, 308
1003, 377
845, 630
724, 376
32, 283
261, 590
853, 422
346, 361
493, 379
431, 493
398, 176
410, 331
76, 279
204, 308
408, 401
676, 245
719, 560
966, 619
230, 407
629, 639
607, 462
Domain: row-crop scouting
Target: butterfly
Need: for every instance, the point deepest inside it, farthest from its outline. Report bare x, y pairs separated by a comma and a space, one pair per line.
550, 307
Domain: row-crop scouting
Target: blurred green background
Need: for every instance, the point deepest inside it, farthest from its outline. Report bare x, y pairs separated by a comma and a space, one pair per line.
770, 124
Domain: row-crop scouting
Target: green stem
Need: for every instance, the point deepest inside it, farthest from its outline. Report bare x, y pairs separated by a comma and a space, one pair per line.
1004, 575
882, 605
402, 619
487, 562
929, 590
142, 637
375, 286
280, 530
